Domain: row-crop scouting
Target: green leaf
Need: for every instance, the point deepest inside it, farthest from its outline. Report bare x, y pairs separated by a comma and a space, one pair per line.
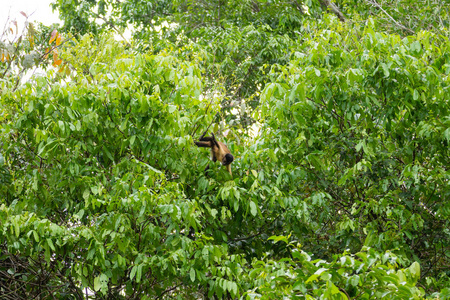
86, 194
415, 95
234, 288
50, 243
16, 227
253, 209
133, 272
97, 283
415, 271
317, 71
139, 274
354, 280
359, 146
334, 289
36, 236
172, 108
385, 69
132, 139
192, 274
279, 238
312, 278
446, 134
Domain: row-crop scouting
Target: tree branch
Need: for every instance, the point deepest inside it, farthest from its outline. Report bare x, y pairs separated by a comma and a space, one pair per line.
390, 17
333, 8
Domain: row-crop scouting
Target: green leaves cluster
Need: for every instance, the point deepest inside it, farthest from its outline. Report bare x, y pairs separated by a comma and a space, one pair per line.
363, 116
340, 133
94, 164
364, 275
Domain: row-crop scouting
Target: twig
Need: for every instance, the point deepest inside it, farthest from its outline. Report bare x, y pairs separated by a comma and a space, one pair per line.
194, 130
390, 17
167, 291
334, 9
260, 231
113, 27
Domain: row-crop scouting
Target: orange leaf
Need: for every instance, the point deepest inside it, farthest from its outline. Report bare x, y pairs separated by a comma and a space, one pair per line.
58, 62
61, 69
55, 56
24, 14
53, 37
47, 52
31, 41
3, 57
58, 40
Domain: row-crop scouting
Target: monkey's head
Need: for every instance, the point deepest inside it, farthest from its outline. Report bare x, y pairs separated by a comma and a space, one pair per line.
227, 159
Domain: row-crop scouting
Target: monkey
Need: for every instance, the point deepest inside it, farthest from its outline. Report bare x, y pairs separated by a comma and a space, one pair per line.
219, 151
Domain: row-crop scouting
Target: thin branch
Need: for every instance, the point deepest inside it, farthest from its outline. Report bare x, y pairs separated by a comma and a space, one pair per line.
260, 231
333, 8
113, 27
390, 17
167, 291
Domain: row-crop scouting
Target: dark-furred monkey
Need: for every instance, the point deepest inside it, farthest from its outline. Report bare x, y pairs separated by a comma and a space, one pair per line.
219, 151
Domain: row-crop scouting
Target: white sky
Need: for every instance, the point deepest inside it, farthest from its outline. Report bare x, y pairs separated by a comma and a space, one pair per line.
39, 10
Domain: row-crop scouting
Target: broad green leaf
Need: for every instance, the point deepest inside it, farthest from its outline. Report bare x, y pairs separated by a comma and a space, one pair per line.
253, 209
415, 271
97, 283
133, 272
192, 274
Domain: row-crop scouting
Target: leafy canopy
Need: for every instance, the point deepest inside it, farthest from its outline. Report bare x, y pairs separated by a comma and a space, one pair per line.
340, 130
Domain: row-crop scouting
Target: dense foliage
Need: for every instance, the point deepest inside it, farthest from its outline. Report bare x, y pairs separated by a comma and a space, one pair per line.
338, 116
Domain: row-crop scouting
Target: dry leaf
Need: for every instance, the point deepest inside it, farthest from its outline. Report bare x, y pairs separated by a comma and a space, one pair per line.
53, 37
58, 40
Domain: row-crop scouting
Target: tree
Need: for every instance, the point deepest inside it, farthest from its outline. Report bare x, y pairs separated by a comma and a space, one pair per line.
35, 46
338, 192
360, 116
93, 202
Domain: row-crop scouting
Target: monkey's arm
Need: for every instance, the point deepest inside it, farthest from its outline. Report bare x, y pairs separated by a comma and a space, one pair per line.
207, 138
206, 144
211, 139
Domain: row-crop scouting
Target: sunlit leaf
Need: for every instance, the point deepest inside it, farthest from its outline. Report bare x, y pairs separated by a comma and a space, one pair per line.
53, 36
